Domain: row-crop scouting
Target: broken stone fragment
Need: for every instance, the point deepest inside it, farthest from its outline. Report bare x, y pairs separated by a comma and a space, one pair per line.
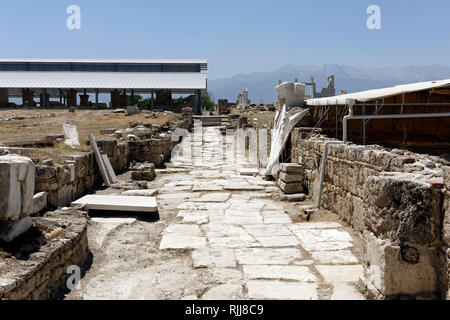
39, 202
17, 175
18, 228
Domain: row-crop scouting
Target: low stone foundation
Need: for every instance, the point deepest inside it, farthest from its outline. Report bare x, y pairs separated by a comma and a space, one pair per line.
395, 200
44, 274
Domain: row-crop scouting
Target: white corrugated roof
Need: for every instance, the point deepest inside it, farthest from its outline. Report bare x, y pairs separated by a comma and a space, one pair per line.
371, 95
138, 61
103, 80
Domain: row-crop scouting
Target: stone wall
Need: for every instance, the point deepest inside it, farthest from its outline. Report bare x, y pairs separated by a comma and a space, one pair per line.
80, 174
389, 198
444, 251
43, 276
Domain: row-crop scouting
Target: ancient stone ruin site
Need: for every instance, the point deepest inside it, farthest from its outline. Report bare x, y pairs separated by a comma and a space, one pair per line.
317, 196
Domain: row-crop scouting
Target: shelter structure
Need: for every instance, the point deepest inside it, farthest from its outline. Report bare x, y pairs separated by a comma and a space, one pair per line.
65, 78
414, 115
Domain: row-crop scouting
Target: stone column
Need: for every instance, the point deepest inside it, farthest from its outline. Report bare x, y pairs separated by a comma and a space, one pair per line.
198, 103
71, 98
115, 99
17, 176
163, 98
152, 101
84, 100
28, 98
4, 97
44, 99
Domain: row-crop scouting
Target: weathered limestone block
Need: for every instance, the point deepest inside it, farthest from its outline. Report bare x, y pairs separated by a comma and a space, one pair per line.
291, 188
446, 223
399, 270
291, 177
401, 209
16, 186
39, 202
291, 168
144, 172
17, 176
446, 176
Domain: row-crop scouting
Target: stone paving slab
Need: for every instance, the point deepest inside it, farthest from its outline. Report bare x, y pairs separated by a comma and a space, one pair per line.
264, 272
177, 241
326, 246
322, 235
203, 206
334, 257
237, 220
224, 292
268, 230
335, 274
220, 258
346, 291
315, 225
207, 187
278, 241
223, 230
213, 197
277, 220
277, 290
261, 256
183, 229
233, 242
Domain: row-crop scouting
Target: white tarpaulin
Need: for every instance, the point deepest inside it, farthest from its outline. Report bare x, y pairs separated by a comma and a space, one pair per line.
285, 121
71, 135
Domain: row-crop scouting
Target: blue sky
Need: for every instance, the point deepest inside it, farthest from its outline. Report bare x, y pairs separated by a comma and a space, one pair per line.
235, 36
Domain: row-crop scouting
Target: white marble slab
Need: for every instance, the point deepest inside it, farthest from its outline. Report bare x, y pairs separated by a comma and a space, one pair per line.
118, 203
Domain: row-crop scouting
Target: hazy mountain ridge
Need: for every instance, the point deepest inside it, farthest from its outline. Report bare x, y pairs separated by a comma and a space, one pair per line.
261, 85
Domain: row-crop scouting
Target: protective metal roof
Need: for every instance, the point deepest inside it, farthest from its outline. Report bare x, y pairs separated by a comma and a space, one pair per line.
371, 95
104, 81
138, 61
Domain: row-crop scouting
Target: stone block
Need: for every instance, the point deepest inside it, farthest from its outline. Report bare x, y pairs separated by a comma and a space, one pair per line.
401, 209
296, 197
17, 180
291, 168
291, 188
16, 229
399, 270
39, 202
288, 177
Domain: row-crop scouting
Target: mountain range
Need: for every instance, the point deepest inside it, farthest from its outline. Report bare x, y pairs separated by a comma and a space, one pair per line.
261, 85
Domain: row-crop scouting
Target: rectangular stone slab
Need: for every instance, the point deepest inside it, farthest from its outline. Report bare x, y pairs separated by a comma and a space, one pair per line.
118, 203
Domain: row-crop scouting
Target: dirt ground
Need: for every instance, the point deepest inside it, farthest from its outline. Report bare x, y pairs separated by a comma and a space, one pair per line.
49, 122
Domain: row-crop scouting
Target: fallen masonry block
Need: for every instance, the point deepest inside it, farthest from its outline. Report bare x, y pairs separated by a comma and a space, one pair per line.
249, 172
17, 180
118, 203
285, 177
144, 172
291, 168
39, 202
297, 197
291, 188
